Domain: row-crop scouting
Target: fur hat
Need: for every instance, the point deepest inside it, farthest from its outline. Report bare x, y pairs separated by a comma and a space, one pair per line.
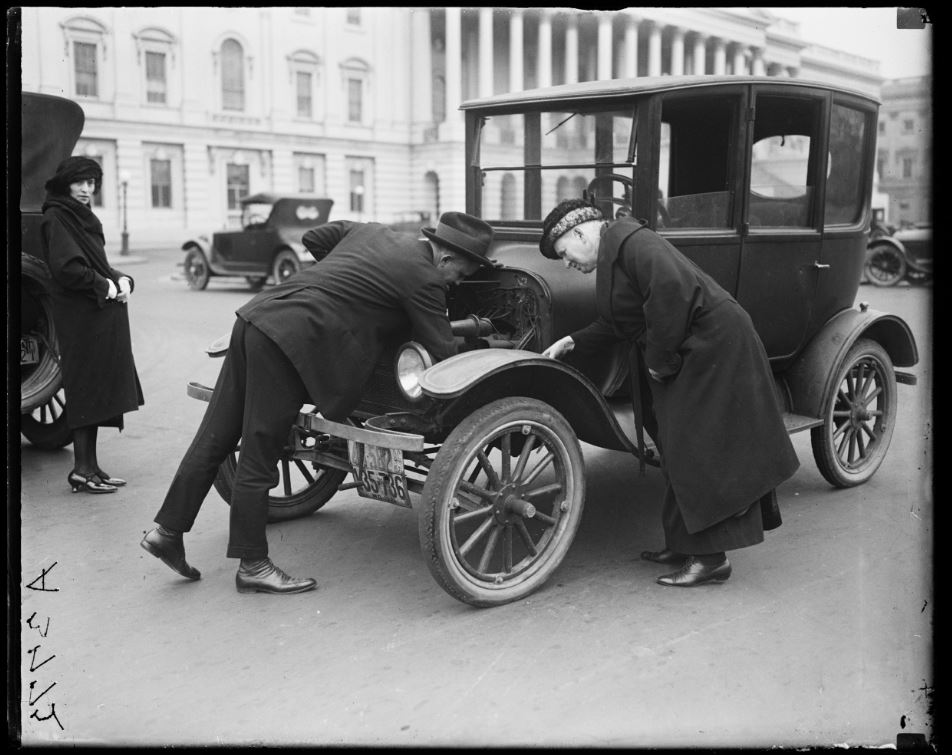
567, 214
71, 170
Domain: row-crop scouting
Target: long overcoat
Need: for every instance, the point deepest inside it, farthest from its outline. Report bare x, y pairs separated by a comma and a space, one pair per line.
99, 373
333, 319
719, 424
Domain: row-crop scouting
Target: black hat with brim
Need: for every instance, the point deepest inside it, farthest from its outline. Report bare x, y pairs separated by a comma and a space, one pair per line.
467, 235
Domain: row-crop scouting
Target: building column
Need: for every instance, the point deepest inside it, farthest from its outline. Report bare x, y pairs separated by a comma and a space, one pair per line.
605, 55
454, 68
654, 51
699, 57
544, 63
757, 66
740, 63
421, 93
631, 49
677, 51
516, 81
485, 87
571, 49
720, 57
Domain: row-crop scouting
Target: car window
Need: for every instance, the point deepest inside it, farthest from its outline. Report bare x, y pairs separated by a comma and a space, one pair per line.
530, 162
844, 182
781, 178
697, 150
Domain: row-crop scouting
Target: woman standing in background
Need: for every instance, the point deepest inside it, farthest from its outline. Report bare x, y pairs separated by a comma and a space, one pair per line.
92, 321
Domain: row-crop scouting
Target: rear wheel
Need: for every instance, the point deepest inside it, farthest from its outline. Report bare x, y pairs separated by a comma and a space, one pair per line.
885, 265
196, 269
303, 486
285, 265
858, 417
45, 427
502, 502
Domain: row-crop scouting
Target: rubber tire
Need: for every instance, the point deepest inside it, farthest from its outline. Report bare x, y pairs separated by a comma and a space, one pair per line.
281, 508
454, 460
285, 265
45, 427
840, 472
885, 266
43, 382
196, 269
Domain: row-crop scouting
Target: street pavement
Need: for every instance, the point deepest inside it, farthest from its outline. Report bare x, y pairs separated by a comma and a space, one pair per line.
823, 635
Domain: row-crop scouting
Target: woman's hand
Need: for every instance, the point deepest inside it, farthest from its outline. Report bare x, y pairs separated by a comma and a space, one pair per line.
655, 375
560, 348
125, 289
113, 292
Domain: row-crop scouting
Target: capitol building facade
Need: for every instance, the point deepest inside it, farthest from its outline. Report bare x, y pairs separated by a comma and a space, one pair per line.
189, 109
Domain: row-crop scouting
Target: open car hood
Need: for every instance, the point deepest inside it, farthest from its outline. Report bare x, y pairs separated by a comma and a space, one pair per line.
51, 127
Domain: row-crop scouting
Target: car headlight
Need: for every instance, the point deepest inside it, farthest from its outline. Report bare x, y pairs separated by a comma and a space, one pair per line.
412, 361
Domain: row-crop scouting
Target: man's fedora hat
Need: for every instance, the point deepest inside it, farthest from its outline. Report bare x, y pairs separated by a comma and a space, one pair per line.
465, 234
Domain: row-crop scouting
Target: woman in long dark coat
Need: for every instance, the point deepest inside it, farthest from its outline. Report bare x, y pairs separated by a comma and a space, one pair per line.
701, 385
92, 321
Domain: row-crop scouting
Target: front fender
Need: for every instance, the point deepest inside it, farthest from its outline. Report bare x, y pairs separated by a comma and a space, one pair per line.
887, 241
203, 243
472, 379
811, 377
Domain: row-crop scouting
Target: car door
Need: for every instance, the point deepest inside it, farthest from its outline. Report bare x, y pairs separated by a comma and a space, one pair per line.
781, 235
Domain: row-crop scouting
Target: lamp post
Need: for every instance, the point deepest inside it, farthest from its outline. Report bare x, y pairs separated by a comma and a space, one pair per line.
124, 182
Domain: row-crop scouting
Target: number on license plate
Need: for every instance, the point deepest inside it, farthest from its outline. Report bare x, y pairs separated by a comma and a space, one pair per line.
29, 350
379, 473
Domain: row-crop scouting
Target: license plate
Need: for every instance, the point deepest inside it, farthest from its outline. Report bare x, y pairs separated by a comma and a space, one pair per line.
379, 473
29, 350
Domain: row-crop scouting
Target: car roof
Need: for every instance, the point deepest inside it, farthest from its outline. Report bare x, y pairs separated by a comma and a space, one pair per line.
589, 90
265, 197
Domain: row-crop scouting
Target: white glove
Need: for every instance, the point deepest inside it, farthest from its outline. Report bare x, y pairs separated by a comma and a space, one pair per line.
113, 292
125, 288
560, 348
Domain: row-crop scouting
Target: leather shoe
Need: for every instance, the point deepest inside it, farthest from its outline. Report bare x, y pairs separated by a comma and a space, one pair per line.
664, 557
693, 573
171, 549
262, 575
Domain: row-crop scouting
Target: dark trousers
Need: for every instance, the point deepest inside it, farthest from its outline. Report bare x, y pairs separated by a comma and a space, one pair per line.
734, 532
257, 397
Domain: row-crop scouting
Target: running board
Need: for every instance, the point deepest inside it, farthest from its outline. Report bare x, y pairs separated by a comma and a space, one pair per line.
797, 422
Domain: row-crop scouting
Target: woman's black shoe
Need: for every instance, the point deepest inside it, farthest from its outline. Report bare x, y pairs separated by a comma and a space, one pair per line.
109, 480
89, 483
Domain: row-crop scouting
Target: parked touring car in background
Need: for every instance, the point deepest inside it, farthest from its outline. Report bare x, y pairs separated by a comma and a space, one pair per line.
268, 243
764, 182
905, 254
51, 127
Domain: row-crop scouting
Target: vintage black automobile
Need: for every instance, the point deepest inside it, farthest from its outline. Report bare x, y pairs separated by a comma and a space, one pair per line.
268, 243
51, 127
906, 254
764, 182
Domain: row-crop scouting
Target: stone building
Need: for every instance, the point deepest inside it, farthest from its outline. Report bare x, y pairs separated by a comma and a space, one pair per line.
189, 109
904, 153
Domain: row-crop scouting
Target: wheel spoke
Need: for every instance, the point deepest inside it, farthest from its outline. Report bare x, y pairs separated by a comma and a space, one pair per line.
525, 537
286, 476
869, 431
505, 449
507, 549
543, 463
867, 400
544, 518
555, 487
844, 441
850, 385
852, 449
524, 456
476, 490
474, 514
860, 442
476, 536
841, 428
302, 468
488, 550
491, 476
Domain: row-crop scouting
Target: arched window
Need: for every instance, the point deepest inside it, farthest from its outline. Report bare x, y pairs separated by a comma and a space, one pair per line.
232, 75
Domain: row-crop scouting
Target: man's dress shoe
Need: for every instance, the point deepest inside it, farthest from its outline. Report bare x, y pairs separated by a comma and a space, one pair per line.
664, 557
694, 573
171, 550
263, 576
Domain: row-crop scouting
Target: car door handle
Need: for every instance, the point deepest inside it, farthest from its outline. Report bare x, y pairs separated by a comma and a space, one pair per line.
821, 266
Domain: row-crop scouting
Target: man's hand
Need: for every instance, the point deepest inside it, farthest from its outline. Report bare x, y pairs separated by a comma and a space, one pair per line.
560, 348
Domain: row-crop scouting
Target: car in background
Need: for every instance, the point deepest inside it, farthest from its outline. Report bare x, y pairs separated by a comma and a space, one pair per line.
905, 255
267, 245
410, 221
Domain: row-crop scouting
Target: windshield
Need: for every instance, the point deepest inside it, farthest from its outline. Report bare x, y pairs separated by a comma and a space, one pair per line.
531, 161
